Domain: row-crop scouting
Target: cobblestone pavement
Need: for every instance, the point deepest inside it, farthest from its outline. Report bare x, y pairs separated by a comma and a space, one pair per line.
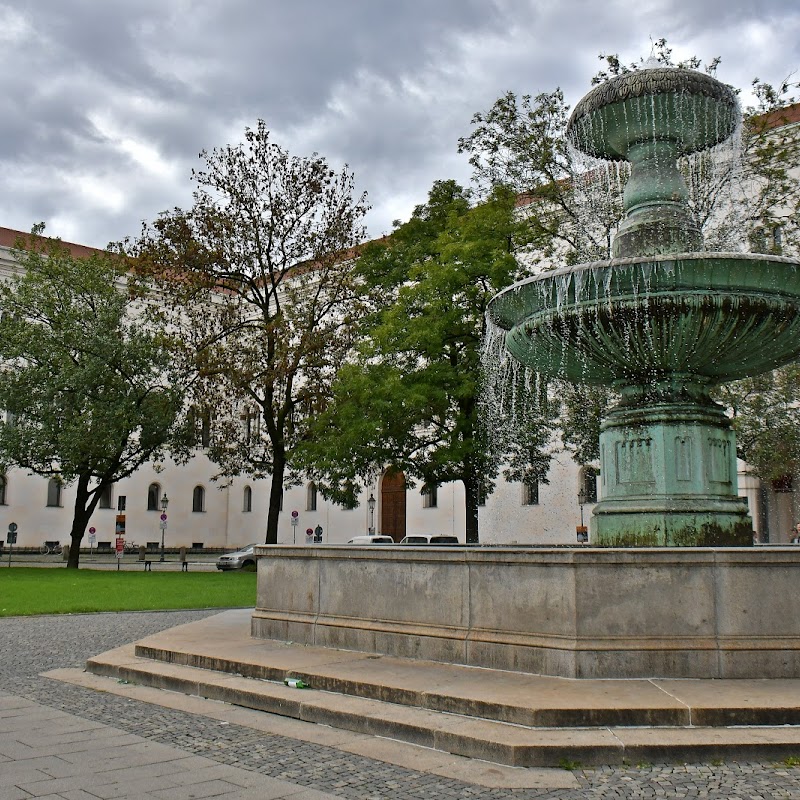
29, 646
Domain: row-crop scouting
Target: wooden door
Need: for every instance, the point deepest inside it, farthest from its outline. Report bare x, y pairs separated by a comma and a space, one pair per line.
393, 505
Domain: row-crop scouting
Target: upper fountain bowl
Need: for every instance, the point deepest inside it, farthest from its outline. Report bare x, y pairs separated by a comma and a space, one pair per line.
691, 109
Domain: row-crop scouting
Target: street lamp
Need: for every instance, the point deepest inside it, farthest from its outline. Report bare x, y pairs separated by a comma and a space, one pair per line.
582, 502
583, 535
371, 506
164, 504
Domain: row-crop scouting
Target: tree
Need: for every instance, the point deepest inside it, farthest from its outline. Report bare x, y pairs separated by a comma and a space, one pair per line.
766, 418
86, 377
259, 275
411, 396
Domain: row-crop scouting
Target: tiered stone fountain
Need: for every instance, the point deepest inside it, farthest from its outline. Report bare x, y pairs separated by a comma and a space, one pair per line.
662, 322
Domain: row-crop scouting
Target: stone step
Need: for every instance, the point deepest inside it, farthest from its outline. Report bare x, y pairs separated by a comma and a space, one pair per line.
471, 736
223, 643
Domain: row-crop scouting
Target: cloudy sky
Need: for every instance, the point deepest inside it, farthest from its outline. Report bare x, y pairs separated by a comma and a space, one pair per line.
105, 104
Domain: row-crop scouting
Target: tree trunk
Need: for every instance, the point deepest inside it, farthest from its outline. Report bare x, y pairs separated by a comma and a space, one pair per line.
85, 503
275, 497
471, 497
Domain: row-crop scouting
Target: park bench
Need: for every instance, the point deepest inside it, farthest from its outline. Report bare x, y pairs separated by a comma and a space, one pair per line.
148, 564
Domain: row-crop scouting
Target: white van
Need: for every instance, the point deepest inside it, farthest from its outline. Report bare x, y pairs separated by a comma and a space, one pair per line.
371, 540
426, 538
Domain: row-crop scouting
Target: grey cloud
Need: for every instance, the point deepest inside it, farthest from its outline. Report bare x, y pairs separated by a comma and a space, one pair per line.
386, 86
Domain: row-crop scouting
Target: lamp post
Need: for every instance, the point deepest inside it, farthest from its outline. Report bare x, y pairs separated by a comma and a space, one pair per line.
371, 506
582, 533
582, 502
164, 504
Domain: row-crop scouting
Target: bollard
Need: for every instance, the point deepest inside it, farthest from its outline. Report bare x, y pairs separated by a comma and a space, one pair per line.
65, 553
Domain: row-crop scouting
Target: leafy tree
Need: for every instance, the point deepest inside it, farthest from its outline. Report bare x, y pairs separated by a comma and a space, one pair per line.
766, 418
259, 275
411, 396
86, 375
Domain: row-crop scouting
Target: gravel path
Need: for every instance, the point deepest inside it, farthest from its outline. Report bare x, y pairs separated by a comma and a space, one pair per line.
33, 645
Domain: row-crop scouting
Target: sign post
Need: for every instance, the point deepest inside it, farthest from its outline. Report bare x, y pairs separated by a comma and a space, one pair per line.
318, 534
12, 539
92, 540
309, 535
120, 548
295, 520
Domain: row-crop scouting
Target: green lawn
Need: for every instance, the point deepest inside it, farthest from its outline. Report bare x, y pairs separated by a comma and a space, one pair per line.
25, 591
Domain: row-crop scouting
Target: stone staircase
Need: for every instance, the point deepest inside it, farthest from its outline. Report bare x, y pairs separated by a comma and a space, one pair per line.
509, 718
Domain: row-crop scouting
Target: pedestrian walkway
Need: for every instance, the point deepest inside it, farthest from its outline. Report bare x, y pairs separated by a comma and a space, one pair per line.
48, 753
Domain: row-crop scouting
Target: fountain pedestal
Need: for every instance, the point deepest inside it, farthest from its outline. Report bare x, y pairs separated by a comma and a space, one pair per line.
668, 478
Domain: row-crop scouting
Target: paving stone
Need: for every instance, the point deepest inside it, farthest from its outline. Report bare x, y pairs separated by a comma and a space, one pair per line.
289, 767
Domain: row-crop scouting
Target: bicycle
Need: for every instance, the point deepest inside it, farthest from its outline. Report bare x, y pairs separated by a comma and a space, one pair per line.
51, 548
130, 547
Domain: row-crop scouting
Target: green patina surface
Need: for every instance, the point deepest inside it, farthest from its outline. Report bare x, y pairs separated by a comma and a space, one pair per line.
660, 322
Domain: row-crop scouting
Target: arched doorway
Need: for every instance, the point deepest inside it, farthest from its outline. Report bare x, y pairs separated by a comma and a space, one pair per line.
393, 504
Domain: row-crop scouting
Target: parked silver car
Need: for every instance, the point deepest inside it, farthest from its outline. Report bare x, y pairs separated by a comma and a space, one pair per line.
241, 559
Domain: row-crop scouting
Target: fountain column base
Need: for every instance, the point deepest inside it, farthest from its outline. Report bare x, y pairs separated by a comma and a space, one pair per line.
668, 478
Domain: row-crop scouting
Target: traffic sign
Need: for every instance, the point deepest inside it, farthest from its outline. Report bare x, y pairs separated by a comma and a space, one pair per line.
163, 517
92, 531
295, 514
12, 527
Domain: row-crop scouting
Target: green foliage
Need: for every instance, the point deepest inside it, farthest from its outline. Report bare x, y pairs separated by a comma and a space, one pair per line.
411, 397
583, 407
519, 143
259, 276
87, 377
26, 591
766, 419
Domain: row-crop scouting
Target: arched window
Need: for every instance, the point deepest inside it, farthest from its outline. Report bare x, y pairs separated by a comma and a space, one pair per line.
153, 491
2, 490
199, 499
54, 492
247, 499
311, 497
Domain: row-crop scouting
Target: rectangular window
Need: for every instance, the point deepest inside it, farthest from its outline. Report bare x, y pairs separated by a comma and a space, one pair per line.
54, 492
530, 492
105, 498
430, 497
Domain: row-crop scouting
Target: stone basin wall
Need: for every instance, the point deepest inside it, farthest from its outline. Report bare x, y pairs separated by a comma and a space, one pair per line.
571, 612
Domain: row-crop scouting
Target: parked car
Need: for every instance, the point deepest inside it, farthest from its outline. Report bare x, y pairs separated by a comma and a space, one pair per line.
241, 559
426, 538
371, 540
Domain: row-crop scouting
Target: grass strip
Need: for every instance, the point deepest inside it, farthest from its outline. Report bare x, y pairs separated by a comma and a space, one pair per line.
28, 590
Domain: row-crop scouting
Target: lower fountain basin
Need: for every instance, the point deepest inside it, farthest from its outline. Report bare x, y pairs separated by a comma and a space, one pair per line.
715, 316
